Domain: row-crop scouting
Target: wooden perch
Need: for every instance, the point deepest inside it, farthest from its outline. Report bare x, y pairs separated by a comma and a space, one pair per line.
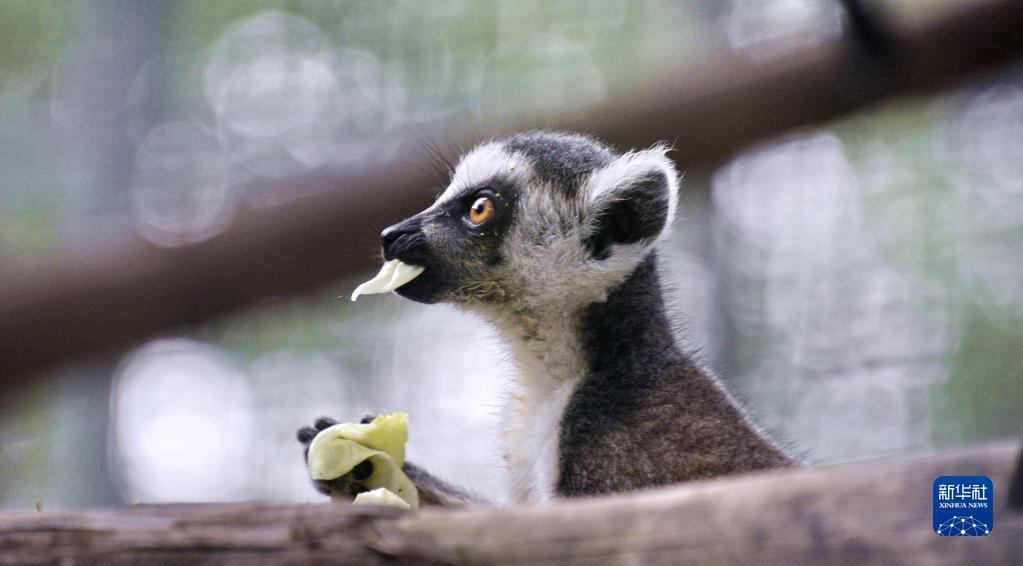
876, 512
126, 289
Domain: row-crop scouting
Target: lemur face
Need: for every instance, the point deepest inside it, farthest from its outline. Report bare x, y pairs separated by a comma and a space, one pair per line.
537, 220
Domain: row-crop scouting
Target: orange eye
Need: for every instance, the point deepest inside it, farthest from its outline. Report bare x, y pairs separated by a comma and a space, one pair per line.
481, 211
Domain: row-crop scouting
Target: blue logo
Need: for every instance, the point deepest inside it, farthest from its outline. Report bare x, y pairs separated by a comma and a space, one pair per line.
964, 506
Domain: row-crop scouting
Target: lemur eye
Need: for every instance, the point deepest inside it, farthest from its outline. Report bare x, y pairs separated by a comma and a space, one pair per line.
481, 211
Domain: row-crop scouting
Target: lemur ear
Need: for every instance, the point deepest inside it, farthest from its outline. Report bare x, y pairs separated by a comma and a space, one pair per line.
630, 201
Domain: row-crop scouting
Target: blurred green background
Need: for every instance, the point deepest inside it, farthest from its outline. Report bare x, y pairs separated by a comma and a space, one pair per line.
859, 286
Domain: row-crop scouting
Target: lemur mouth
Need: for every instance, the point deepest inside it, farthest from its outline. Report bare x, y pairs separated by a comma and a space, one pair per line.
393, 274
425, 276
427, 288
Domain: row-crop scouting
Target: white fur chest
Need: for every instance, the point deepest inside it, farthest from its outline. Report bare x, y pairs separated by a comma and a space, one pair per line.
549, 368
531, 434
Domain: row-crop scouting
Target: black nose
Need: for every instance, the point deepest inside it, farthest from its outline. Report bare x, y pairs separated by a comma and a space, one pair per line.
391, 235
401, 237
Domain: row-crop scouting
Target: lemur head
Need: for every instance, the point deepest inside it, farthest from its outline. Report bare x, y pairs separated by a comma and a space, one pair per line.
537, 220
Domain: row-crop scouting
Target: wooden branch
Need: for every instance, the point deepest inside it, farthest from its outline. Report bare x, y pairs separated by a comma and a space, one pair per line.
126, 289
875, 512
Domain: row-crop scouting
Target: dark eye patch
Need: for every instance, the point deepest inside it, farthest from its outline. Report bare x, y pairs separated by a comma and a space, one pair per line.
467, 196
471, 243
501, 192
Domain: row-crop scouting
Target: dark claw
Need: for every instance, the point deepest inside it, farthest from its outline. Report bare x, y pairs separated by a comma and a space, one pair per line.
367, 419
306, 434
324, 422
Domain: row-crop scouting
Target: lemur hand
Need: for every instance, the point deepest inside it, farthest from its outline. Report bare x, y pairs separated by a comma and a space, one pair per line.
363, 460
430, 490
346, 486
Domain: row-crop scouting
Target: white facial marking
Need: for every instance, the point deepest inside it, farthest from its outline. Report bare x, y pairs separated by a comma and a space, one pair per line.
483, 164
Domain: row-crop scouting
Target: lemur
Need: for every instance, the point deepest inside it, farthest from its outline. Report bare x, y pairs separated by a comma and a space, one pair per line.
550, 237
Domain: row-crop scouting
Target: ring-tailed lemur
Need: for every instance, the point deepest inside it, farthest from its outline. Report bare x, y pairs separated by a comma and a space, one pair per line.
550, 237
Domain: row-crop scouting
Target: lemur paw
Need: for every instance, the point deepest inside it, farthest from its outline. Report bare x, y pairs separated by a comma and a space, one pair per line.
347, 486
306, 434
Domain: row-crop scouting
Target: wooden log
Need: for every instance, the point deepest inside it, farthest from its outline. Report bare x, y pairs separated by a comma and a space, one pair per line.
876, 512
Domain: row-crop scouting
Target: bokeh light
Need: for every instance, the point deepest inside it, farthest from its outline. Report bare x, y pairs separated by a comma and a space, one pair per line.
181, 192
182, 427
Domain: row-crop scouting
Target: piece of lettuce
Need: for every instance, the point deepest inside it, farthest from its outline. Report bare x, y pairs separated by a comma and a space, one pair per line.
337, 450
